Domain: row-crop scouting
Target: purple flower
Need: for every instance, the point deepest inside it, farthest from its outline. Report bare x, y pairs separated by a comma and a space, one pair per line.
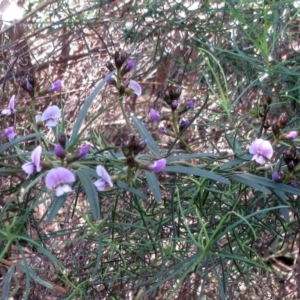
291, 135
29, 86
276, 177
35, 164
157, 165
190, 105
50, 115
55, 86
163, 129
59, 151
11, 107
135, 87
9, 133
155, 115
261, 149
183, 124
174, 105
83, 151
59, 178
105, 179
128, 67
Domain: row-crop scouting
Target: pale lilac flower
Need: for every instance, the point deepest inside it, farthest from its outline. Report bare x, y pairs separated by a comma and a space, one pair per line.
59, 179
50, 115
105, 179
291, 135
11, 107
276, 177
9, 133
155, 115
261, 149
55, 86
135, 87
35, 164
157, 165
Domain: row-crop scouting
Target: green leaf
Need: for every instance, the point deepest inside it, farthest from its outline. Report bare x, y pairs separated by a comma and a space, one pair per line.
190, 156
196, 171
19, 140
257, 186
83, 112
269, 183
55, 206
146, 135
282, 201
153, 185
122, 185
7, 282
90, 190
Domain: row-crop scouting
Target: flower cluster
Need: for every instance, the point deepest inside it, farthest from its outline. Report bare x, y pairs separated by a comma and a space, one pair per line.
171, 99
122, 67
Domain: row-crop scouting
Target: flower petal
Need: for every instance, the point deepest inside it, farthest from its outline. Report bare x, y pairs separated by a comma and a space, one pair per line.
255, 146
62, 189
36, 158
267, 149
100, 184
135, 87
101, 171
155, 115
51, 112
157, 165
28, 168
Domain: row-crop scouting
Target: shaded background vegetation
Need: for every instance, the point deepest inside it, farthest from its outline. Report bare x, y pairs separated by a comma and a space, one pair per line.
204, 239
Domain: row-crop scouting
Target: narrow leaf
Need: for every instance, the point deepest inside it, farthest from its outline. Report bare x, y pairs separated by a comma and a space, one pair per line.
250, 183
153, 185
83, 112
122, 185
19, 140
196, 171
90, 191
55, 206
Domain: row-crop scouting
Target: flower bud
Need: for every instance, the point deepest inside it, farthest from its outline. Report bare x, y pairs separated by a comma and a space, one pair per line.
62, 139
120, 59
109, 66
174, 105
276, 177
155, 115
183, 124
275, 128
290, 136
128, 67
59, 151
282, 121
156, 166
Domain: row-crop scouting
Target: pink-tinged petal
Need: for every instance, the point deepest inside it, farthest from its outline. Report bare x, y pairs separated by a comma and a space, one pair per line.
84, 150
260, 159
28, 168
267, 149
36, 158
9, 133
135, 87
51, 179
155, 115
100, 185
12, 103
65, 175
157, 165
62, 189
104, 175
255, 146
51, 112
291, 135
